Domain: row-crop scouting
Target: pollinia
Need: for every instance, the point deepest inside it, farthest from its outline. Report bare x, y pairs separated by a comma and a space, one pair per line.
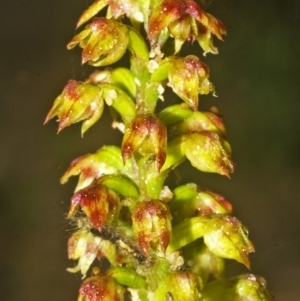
161, 244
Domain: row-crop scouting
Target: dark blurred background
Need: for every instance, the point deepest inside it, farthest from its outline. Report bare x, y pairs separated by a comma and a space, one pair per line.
257, 79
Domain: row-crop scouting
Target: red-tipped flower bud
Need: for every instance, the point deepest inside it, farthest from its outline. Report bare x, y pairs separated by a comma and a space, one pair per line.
78, 101
151, 221
104, 41
186, 21
147, 135
99, 203
101, 288
179, 286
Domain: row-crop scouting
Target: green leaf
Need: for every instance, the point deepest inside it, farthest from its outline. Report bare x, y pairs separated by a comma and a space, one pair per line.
120, 184
91, 11
175, 153
161, 73
120, 101
187, 231
127, 277
137, 45
175, 114
124, 79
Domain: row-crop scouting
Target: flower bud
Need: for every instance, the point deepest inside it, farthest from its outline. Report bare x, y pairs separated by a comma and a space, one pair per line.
147, 135
104, 41
84, 246
151, 222
107, 160
78, 101
179, 286
187, 77
101, 288
209, 153
190, 200
226, 237
99, 203
186, 21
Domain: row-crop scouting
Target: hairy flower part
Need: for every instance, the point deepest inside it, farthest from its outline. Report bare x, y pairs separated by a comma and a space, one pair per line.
100, 204
186, 21
226, 237
179, 286
116, 10
187, 77
107, 160
241, 288
190, 200
103, 42
83, 245
100, 288
78, 101
209, 153
198, 122
151, 222
147, 135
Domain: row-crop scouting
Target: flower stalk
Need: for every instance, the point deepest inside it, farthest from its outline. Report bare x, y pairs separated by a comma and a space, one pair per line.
162, 243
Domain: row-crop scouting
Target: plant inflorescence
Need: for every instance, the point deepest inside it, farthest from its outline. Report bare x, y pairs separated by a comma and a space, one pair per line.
161, 243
